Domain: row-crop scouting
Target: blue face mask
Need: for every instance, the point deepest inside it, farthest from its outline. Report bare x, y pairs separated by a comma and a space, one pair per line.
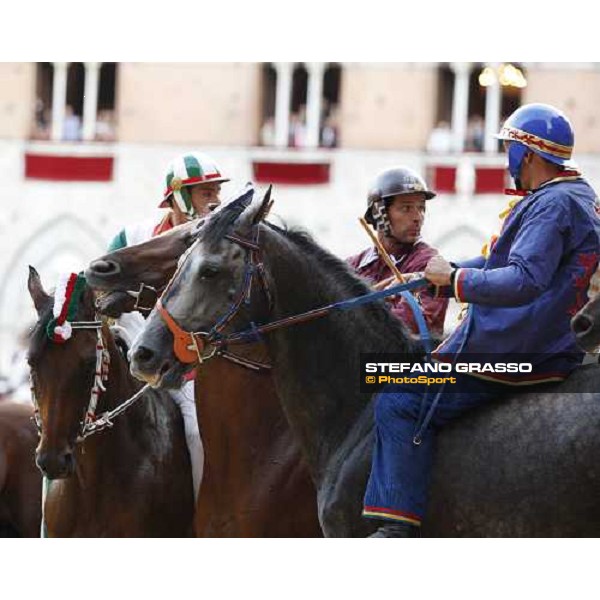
516, 154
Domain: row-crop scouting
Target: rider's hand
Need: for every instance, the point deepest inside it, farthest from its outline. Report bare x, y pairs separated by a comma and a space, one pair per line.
438, 271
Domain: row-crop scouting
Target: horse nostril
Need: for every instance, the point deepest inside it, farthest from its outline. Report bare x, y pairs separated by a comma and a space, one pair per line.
143, 354
104, 267
55, 465
581, 324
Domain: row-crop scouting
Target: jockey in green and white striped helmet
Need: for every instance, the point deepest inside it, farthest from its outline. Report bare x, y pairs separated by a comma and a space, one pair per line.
188, 174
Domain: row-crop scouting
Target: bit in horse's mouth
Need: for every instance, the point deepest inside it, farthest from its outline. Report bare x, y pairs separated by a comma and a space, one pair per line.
162, 374
169, 376
114, 304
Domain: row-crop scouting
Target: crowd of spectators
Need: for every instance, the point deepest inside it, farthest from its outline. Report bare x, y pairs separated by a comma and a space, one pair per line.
441, 139
297, 132
72, 131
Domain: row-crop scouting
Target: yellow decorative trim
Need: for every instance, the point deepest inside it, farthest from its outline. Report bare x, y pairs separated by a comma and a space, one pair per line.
517, 383
531, 140
385, 515
176, 184
456, 294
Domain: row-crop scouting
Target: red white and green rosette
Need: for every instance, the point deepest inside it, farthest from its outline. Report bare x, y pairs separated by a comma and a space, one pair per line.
66, 299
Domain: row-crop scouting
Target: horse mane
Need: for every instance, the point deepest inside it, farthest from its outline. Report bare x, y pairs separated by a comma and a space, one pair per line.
340, 275
306, 242
317, 363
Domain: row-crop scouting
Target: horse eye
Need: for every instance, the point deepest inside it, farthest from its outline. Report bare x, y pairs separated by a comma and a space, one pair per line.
208, 272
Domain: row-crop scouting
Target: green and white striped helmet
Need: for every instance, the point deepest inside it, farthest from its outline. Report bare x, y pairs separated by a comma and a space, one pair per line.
185, 170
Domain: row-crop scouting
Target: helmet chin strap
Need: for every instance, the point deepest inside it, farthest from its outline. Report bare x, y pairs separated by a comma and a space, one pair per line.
183, 199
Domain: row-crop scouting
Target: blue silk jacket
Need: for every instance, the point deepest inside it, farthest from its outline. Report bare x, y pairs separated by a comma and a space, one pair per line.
522, 297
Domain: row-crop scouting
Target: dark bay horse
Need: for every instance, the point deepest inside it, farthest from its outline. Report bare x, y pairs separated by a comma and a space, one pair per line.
526, 466
132, 480
20, 479
255, 482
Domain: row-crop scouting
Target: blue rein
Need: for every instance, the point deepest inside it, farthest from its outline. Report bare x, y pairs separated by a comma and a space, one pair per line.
402, 288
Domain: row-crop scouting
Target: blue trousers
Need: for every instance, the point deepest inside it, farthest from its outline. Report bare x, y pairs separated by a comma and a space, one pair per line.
400, 472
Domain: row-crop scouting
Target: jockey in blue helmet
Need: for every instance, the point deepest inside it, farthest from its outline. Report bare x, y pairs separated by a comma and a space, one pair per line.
538, 128
521, 297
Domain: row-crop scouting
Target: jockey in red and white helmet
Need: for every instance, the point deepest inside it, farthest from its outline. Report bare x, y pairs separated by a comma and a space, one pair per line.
192, 190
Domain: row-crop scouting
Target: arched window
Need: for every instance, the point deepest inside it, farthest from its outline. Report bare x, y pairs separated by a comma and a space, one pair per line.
297, 131
329, 127
72, 127
43, 101
269, 84
106, 121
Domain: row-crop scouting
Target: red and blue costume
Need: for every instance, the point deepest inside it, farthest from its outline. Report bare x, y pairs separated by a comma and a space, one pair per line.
522, 297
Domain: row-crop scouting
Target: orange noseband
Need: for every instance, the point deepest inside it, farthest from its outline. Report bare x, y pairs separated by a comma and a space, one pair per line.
188, 347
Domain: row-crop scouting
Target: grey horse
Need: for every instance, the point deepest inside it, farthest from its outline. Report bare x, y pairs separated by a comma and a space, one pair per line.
524, 466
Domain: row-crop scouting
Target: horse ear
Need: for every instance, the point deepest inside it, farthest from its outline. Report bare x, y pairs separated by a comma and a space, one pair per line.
265, 207
36, 290
255, 213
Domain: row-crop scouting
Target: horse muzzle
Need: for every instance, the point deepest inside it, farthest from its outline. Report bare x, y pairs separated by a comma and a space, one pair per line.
159, 372
102, 271
55, 464
114, 304
586, 332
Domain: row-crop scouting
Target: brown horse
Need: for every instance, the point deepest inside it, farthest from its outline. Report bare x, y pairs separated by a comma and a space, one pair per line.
20, 479
131, 480
255, 481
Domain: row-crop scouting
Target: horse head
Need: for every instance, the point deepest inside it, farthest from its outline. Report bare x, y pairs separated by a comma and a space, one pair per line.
212, 278
586, 325
63, 369
128, 273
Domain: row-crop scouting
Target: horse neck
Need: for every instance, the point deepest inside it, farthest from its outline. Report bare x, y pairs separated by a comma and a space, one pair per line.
317, 362
120, 386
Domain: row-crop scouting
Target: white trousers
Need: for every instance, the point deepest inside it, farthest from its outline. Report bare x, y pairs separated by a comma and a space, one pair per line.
128, 327
186, 401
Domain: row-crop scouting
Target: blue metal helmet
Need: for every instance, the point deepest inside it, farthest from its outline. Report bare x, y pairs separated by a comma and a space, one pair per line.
542, 129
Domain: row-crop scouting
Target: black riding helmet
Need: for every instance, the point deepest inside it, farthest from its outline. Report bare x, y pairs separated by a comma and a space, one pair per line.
389, 183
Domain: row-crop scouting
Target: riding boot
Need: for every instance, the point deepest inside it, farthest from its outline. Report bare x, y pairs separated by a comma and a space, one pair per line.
397, 530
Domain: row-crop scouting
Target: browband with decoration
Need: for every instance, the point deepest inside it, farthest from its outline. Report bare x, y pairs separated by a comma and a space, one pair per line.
66, 297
